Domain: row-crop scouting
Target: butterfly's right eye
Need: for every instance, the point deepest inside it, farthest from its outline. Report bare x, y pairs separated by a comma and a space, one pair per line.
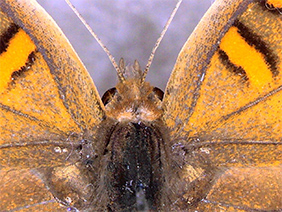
108, 95
159, 93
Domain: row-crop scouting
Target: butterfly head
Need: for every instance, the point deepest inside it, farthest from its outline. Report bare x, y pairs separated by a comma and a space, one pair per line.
133, 99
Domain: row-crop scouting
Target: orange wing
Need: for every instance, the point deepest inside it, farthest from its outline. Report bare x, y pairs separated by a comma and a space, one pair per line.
47, 100
223, 107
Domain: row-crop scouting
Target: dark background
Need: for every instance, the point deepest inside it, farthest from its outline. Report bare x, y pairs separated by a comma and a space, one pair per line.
129, 29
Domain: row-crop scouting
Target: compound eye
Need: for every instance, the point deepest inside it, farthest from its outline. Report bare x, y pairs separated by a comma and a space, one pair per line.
159, 93
109, 95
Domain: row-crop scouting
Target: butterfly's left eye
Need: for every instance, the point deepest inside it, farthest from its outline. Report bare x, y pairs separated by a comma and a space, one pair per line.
159, 93
108, 95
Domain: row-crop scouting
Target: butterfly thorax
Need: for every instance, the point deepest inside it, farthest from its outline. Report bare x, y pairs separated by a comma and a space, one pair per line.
133, 175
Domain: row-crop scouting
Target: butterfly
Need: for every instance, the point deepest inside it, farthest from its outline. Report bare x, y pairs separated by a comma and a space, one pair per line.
212, 142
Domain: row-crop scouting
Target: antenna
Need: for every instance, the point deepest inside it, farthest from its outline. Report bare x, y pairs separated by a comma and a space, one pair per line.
112, 59
116, 66
150, 60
